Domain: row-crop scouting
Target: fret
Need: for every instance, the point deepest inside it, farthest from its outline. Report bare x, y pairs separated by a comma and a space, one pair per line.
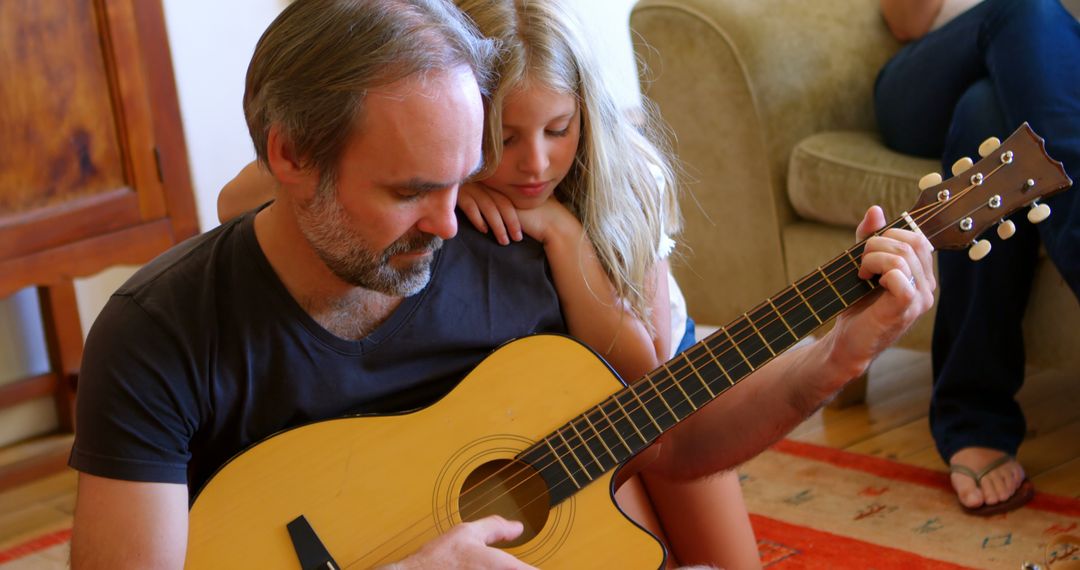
852, 288
783, 320
585, 444
644, 440
823, 299
661, 396
615, 428
647, 413
806, 302
561, 462
679, 385
697, 373
739, 350
797, 312
833, 287
758, 331
717, 361
853, 261
570, 448
600, 438
773, 328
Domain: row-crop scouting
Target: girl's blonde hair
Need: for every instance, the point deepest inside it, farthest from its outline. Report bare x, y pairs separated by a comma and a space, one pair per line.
622, 185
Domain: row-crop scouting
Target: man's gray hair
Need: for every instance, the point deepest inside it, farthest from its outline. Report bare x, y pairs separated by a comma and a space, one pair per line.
316, 61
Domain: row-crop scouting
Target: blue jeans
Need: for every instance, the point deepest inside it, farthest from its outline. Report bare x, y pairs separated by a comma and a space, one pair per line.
983, 74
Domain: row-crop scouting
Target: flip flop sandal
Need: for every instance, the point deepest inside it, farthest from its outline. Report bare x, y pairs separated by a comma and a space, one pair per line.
1019, 498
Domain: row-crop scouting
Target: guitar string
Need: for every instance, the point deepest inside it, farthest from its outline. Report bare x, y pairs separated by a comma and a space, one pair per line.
449, 515
671, 380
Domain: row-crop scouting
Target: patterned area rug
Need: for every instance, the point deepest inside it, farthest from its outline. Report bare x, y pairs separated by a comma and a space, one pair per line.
820, 508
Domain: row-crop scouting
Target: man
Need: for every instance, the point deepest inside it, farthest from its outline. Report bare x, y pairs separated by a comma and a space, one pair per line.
348, 295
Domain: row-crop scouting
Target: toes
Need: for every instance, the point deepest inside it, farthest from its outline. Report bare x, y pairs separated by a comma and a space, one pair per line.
995, 488
1000, 484
969, 494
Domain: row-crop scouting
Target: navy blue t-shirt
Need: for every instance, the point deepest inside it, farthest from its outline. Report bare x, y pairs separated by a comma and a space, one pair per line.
203, 352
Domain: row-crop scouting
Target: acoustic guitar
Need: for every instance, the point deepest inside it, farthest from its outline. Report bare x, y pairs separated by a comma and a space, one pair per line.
536, 432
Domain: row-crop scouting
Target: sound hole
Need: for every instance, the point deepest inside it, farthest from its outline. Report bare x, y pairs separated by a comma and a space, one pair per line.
510, 489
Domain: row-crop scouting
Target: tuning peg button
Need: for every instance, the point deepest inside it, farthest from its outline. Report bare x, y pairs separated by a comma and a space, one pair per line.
988, 146
932, 179
961, 165
1006, 229
979, 250
1038, 212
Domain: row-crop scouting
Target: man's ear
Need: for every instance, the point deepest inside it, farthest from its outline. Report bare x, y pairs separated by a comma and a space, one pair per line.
285, 165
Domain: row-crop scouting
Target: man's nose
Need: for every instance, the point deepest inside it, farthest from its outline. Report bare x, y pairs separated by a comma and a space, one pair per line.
439, 218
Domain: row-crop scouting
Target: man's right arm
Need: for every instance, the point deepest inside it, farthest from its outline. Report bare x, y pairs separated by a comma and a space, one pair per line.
129, 524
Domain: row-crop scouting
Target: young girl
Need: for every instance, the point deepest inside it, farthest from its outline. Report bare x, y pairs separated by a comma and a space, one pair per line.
574, 174
567, 169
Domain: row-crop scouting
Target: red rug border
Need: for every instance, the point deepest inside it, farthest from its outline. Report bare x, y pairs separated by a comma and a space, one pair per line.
35, 545
890, 469
838, 551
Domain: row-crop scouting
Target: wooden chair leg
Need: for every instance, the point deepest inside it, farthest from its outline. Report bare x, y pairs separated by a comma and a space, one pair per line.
852, 394
64, 339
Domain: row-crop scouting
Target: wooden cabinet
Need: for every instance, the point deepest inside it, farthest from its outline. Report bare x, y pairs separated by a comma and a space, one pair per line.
93, 168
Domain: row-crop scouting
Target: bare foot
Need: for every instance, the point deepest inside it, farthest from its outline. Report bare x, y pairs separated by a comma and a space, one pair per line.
995, 487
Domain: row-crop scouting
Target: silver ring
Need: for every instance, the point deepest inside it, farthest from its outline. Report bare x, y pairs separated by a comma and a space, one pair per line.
911, 280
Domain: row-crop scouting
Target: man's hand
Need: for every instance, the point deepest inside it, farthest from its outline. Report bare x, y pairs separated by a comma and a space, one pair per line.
467, 545
904, 260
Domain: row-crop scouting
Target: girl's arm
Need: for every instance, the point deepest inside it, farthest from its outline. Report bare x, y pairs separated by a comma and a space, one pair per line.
251, 188
593, 311
909, 20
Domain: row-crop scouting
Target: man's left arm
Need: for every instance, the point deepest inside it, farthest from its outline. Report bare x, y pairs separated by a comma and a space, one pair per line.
780, 395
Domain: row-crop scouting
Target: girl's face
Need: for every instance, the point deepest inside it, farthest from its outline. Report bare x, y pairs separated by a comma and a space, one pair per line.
540, 129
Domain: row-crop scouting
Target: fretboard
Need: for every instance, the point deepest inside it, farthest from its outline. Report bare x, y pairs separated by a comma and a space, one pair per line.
630, 420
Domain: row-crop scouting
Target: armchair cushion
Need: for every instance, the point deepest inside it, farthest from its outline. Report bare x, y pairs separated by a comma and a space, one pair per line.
834, 176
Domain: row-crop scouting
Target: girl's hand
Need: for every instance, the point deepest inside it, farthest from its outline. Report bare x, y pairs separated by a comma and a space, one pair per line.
548, 220
487, 208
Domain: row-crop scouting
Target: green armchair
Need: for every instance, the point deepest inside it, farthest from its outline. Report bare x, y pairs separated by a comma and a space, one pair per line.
771, 105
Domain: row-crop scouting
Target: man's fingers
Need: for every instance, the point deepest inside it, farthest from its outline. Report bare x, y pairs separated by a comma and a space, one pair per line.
873, 221
494, 529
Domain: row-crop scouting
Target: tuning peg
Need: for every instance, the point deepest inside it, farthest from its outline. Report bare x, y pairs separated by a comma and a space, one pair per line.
1038, 212
932, 179
988, 146
1006, 229
979, 250
961, 165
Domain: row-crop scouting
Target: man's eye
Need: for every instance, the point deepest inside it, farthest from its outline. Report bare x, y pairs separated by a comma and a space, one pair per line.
408, 195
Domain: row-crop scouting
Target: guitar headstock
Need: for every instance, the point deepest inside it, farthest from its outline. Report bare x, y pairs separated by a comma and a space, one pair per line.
1010, 176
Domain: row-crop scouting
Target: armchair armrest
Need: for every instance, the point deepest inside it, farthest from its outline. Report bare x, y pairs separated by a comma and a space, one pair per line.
741, 82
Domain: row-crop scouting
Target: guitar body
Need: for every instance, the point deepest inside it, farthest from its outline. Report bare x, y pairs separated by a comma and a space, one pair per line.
376, 488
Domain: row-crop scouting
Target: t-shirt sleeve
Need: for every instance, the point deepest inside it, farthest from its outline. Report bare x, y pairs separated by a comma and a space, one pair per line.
136, 409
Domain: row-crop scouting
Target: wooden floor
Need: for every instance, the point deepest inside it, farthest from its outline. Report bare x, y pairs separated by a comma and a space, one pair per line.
892, 424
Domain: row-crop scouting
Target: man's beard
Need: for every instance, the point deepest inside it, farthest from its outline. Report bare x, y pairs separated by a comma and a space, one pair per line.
326, 226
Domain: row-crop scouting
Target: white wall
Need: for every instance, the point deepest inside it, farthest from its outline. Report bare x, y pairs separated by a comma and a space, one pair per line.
211, 44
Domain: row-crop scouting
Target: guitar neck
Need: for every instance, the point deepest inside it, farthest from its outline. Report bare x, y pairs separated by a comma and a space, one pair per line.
633, 418
951, 213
